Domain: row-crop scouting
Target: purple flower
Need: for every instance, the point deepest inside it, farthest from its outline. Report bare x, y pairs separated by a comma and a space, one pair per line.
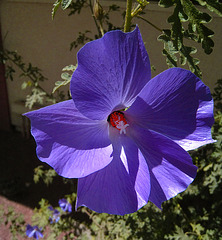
55, 215
34, 232
65, 205
125, 135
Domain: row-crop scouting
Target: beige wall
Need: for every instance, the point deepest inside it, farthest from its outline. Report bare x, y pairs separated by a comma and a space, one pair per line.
29, 29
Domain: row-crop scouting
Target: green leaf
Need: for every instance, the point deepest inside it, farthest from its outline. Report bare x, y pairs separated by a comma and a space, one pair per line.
177, 28
76, 6
194, 14
65, 76
37, 96
81, 39
55, 7
212, 5
205, 35
169, 50
65, 4
71, 68
197, 20
192, 62
166, 3
179, 235
58, 84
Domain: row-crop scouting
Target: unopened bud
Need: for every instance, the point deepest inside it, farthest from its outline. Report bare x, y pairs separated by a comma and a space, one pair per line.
98, 10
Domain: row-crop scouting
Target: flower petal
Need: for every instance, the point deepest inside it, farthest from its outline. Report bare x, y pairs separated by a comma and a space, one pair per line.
171, 168
69, 142
111, 72
121, 187
29, 230
177, 104
38, 234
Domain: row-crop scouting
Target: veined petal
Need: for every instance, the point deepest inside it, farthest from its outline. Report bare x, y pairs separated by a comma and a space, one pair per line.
111, 72
171, 168
72, 144
121, 187
178, 105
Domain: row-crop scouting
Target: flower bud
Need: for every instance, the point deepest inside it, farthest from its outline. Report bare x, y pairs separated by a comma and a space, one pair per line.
98, 10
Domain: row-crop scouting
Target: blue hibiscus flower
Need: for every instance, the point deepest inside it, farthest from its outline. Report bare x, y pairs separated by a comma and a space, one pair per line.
123, 134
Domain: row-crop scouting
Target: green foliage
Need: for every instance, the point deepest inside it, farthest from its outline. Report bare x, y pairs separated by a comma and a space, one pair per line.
173, 39
81, 39
63, 3
14, 221
66, 77
27, 70
166, 3
100, 16
32, 78
41, 216
76, 6
212, 5
196, 24
46, 175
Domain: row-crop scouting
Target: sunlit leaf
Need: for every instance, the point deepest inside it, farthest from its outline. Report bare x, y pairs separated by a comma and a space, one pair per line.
65, 4
55, 7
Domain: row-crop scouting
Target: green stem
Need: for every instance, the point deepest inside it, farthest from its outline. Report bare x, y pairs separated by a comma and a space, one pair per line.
101, 27
91, 9
147, 21
136, 11
128, 16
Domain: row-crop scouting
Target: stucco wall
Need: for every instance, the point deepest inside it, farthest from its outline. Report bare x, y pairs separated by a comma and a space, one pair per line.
28, 28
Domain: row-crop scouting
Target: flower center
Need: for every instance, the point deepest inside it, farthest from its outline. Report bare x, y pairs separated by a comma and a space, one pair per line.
118, 121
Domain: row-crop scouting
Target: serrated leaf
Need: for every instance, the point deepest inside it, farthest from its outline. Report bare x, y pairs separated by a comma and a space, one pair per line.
163, 37
171, 59
55, 7
58, 84
192, 62
71, 68
205, 35
37, 96
65, 4
197, 19
191, 27
194, 14
169, 50
183, 60
177, 28
212, 5
179, 235
66, 76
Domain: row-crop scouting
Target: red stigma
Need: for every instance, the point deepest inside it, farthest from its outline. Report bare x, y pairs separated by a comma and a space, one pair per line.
118, 121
